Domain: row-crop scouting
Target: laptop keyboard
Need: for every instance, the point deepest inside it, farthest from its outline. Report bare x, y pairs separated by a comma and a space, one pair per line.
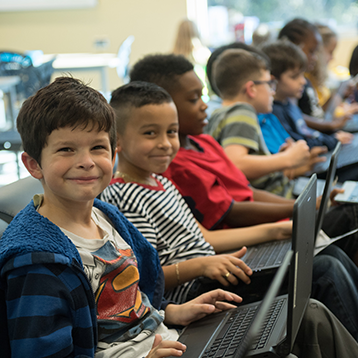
231, 335
267, 254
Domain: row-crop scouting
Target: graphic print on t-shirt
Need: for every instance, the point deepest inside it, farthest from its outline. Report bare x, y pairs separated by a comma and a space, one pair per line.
118, 297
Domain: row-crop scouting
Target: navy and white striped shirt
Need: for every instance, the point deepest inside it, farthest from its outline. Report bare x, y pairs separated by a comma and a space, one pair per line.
162, 216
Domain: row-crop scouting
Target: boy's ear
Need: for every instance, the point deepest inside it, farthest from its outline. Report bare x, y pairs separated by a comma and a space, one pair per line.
32, 166
250, 89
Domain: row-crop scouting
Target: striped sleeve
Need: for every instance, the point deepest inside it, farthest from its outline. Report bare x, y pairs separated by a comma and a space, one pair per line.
164, 219
240, 129
42, 302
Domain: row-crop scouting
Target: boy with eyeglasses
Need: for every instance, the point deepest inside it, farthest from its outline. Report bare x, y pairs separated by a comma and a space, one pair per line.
243, 80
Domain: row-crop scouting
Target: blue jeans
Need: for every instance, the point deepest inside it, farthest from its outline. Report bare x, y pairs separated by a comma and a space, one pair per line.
334, 283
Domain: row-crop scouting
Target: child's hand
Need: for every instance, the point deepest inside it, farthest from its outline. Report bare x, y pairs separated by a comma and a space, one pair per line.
281, 230
344, 137
165, 348
339, 121
226, 268
299, 153
316, 156
286, 145
353, 108
203, 305
332, 195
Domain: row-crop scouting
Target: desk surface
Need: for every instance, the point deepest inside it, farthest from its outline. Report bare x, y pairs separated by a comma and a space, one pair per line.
82, 61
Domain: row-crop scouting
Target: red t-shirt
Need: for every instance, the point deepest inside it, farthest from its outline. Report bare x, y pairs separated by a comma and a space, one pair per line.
208, 180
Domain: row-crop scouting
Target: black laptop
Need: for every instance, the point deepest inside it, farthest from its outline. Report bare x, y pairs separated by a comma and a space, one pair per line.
222, 335
268, 256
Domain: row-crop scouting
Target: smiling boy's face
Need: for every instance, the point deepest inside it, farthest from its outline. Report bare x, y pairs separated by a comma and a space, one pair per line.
76, 165
191, 108
150, 140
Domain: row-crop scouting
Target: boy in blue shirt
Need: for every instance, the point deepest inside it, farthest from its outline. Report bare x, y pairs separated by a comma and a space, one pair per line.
77, 279
288, 63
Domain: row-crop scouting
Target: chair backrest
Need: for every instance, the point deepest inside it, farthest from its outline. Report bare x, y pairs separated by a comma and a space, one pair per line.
32, 78
15, 196
123, 55
10, 140
3, 226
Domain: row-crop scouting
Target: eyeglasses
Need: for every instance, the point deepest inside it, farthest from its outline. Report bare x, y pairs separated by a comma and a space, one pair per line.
272, 84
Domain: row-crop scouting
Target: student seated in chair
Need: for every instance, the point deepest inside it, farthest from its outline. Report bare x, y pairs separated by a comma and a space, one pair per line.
147, 141
77, 278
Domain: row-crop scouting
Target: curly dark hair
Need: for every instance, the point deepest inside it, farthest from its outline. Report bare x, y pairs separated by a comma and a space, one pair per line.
163, 70
65, 102
297, 30
135, 94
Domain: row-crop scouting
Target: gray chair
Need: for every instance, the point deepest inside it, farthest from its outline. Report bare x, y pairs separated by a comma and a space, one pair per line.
3, 226
15, 196
11, 141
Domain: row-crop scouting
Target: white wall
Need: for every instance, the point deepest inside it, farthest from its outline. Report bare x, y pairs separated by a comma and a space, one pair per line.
153, 23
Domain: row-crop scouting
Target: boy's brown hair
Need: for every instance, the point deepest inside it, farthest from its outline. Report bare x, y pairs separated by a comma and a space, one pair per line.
234, 67
66, 102
284, 55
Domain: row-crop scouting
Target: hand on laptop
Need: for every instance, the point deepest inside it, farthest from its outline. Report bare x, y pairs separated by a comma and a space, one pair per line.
226, 268
162, 348
339, 122
298, 152
199, 307
344, 137
281, 230
333, 194
315, 156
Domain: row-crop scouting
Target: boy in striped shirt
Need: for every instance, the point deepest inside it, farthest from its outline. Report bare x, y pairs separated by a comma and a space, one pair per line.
147, 141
